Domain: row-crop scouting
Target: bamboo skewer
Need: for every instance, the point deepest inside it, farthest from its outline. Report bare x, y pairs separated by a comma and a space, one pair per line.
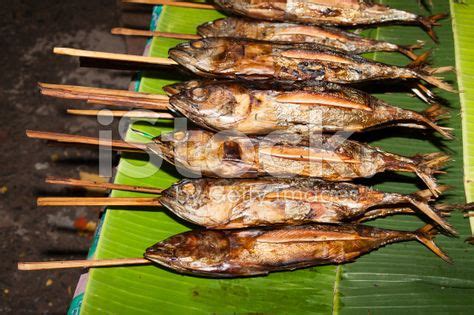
65, 264
113, 56
110, 97
183, 4
67, 138
147, 33
77, 90
86, 183
130, 104
97, 201
120, 113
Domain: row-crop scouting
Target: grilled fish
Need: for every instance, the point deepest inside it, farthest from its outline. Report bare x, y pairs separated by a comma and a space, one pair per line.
236, 58
259, 251
296, 108
297, 33
332, 158
240, 203
329, 12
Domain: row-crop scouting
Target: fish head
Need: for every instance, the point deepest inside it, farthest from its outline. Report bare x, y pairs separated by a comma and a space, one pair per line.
208, 56
218, 28
215, 106
198, 252
182, 147
188, 199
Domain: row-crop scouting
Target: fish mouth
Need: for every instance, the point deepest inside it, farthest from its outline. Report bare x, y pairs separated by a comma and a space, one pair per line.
177, 102
206, 29
163, 254
173, 89
162, 150
180, 54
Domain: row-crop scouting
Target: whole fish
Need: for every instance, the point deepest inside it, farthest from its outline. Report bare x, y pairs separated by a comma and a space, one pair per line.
240, 203
259, 251
297, 33
329, 12
332, 158
296, 108
236, 58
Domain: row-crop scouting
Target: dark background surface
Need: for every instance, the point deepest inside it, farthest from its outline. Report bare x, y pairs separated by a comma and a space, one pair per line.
29, 30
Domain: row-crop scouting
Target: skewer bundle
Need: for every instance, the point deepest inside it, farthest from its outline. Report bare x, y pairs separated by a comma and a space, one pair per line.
289, 223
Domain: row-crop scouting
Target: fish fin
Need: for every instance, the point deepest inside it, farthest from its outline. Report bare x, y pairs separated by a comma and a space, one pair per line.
424, 93
433, 215
436, 112
436, 81
421, 61
425, 235
426, 195
429, 22
446, 207
432, 114
407, 50
426, 165
422, 71
433, 161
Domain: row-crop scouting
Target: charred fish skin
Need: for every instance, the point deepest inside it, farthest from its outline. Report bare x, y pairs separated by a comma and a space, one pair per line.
332, 158
320, 12
303, 109
259, 251
328, 12
234, 59
240, 203
297, 33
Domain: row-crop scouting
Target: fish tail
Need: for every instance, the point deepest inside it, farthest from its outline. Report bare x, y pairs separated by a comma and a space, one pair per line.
433, 161
425, 235
427, 164
447, 208
434, 113
424, 207
407, 50
421, 70
420, 61
428, 22
436, 81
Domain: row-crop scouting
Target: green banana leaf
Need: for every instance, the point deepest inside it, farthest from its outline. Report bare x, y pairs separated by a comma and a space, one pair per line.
403, 277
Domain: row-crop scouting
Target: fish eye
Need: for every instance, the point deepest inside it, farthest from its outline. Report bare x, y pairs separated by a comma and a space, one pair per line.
198, 44
199, 94
180, 135
189, 189
193, 84
220, 23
